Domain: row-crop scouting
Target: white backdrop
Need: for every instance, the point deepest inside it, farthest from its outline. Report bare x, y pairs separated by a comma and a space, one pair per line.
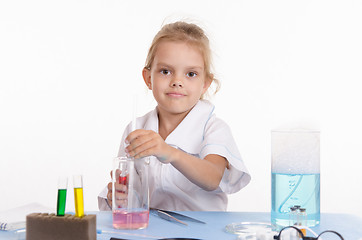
68, 70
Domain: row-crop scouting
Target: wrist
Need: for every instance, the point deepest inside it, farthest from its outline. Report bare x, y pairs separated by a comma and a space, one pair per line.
176, 155
172, 154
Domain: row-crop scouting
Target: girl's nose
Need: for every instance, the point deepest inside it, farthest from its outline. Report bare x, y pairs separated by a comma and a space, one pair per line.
176, 82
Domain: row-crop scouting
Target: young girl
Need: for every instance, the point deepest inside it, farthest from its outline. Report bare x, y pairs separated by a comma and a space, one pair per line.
194, 161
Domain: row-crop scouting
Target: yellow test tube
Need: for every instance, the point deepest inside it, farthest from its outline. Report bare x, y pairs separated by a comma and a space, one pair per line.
78, 195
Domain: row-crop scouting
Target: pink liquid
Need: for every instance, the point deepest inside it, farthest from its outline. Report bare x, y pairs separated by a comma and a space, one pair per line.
122, 219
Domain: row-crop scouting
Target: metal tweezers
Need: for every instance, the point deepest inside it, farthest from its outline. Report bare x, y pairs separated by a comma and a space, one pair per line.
173, 216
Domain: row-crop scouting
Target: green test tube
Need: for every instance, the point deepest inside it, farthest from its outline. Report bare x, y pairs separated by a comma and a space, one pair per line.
62, 195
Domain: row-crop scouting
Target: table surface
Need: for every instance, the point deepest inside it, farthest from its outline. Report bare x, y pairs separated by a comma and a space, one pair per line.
349, 226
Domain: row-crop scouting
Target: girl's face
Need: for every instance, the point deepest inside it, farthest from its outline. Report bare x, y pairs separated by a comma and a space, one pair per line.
177, 77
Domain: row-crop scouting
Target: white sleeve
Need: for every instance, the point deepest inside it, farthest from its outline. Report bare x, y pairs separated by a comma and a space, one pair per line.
103, 204
218, 140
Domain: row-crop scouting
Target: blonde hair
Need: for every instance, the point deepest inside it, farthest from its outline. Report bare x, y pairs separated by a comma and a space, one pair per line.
191, 34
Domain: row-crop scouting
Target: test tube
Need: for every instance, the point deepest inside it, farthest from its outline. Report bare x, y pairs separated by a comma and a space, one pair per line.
62, 195
303, 219
78, 195
297, 215
292, 216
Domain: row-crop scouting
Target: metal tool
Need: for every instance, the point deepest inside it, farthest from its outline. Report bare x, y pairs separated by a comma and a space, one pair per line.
173, 216
160, 239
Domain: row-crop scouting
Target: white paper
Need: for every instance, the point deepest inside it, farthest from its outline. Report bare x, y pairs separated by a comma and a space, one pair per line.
16, 218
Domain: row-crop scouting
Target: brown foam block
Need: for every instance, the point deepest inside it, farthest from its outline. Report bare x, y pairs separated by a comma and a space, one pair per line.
52, 227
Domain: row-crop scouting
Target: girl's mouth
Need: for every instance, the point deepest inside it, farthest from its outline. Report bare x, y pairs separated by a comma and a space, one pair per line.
175, 94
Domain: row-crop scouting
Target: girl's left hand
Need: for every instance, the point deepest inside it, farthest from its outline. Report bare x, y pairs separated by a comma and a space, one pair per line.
143, 143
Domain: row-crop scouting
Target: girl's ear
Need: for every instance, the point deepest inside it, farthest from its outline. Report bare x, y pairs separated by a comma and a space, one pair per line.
146, 73
208, 82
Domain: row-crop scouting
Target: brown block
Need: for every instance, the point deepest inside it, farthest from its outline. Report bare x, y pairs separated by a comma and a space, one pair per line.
51, 227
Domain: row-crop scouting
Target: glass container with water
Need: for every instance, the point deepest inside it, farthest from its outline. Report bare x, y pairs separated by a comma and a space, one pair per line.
130, 193
295, 176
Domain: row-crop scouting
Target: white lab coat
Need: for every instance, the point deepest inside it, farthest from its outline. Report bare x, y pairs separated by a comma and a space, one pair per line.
200, 133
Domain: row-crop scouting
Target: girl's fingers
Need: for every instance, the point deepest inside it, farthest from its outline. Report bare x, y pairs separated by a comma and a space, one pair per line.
121, 195
119, 187
139, 136
109, 196
120, 198
137, 142
120, 191
133, 135
150, 142
121, 203
141, 148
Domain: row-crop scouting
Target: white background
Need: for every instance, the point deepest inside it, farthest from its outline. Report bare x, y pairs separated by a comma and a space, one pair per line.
68, 70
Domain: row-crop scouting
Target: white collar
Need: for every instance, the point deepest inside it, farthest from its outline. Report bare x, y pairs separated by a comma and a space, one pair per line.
189, 134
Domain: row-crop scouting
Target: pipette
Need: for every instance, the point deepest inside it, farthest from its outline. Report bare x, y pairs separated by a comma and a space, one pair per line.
134, 112
129, 179
134, 121
99, 231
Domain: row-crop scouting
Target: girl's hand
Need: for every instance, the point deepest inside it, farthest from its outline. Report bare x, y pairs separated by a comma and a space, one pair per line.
205, 173
121, 192
143, 143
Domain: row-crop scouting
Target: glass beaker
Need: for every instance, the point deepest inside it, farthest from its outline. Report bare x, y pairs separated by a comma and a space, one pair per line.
295, 175
130, 194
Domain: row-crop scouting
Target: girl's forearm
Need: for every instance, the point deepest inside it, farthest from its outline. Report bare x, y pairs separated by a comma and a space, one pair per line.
205, 173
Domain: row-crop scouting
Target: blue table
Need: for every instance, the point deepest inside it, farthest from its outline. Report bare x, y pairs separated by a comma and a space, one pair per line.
349, 226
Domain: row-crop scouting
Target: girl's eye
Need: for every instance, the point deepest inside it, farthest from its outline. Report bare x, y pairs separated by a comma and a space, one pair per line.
165, 72
191, 74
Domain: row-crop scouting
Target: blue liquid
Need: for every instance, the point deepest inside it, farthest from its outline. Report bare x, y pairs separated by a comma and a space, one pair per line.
295, 189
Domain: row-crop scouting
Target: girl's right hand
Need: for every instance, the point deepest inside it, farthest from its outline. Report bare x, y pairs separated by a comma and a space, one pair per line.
143, 143
121, 193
